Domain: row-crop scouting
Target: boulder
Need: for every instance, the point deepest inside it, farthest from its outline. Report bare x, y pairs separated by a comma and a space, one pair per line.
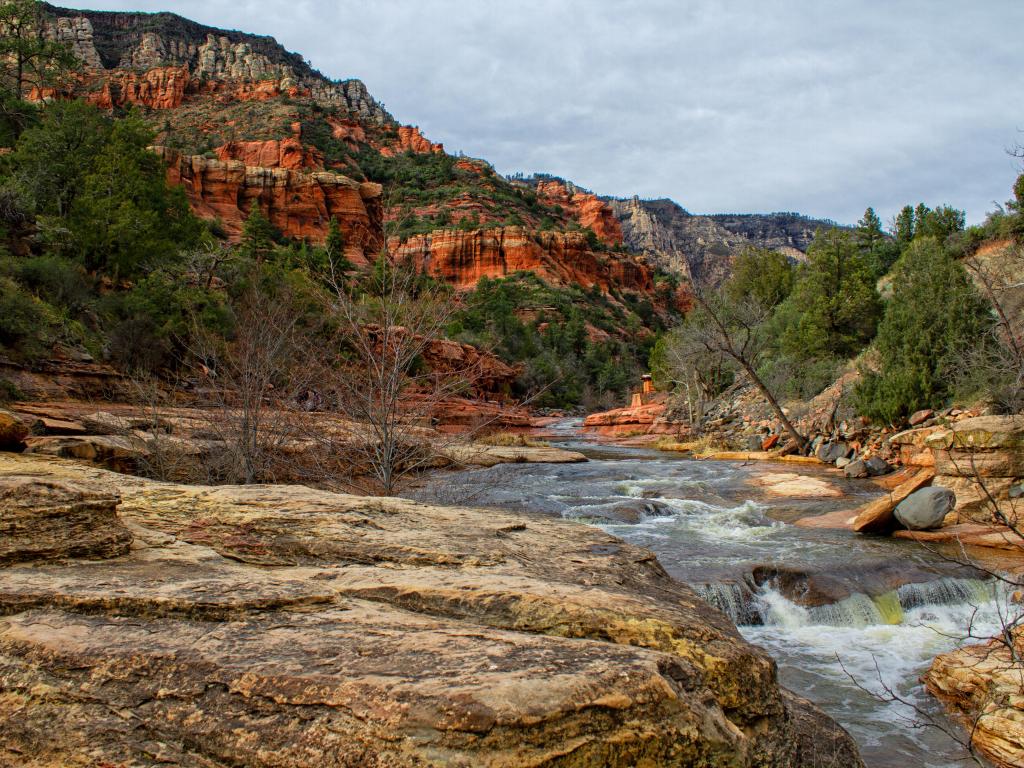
43, 519
830, 452
856, 469
877, 516
843, 462
877, 466
636, 511
919, 417
925, 509
13, 431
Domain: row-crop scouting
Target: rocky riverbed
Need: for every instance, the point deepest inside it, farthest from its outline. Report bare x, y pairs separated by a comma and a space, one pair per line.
149, 623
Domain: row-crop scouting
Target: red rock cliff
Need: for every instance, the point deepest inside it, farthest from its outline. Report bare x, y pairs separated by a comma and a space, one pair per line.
288, 153
300, 203
159, 88
589, 210
463, 258
411, 140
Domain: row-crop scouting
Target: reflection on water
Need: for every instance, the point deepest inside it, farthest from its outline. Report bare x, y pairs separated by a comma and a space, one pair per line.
706, 528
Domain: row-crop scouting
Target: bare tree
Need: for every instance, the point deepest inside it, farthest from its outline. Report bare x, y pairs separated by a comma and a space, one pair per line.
723, 330
388, 326
247, 385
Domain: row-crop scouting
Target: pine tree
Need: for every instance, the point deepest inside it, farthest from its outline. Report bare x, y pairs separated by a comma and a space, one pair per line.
934, 314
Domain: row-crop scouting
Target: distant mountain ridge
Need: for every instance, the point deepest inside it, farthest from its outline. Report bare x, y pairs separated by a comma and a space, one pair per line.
702, 247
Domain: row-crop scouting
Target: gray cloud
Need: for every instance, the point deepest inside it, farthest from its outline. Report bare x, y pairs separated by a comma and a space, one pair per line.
822, 108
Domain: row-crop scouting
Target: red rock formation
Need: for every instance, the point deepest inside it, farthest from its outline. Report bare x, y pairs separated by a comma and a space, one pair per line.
587, 209
159, 88
349, 131
300, 203
280, 153
643, 419
462, 258
411, 140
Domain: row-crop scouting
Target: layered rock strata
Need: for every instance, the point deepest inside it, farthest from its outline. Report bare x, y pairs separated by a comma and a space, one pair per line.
588, 209
299, 202
462, 258
279, 625
141, 42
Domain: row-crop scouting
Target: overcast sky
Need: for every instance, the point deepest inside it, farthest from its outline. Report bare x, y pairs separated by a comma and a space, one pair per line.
819, 107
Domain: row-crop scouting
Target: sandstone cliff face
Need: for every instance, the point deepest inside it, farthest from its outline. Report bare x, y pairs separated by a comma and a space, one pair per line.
280, 625
589, 210
462, 258
157, 88
701, 248
142, 42
300, 203
411, 140
288, 153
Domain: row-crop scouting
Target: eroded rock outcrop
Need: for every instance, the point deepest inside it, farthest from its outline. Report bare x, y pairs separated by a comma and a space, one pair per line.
411, 140
249, 66
701, 248
300, 203
588, 209
463, 257
981, 685
46, 519
229, 635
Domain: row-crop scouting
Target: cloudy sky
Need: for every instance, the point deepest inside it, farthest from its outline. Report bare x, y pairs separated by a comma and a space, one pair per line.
818, 107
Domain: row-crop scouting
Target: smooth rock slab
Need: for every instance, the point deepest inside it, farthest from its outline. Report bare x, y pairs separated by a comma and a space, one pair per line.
44, 519
287, 626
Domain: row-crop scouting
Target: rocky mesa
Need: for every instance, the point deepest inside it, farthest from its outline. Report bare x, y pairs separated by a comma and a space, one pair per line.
281, 625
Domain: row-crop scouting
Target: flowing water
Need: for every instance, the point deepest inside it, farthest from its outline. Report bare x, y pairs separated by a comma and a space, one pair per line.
706, 528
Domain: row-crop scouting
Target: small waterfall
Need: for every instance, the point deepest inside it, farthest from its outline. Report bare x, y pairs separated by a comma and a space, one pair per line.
769, 606
948, 591
733, 599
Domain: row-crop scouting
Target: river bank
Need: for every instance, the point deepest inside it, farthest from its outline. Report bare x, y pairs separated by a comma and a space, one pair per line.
809, 596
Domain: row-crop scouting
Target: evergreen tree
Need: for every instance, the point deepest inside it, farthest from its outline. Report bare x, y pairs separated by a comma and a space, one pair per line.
28, 58
879, 252
934, 314
258, 234
834, 307
903, 227
762, 275
127, 218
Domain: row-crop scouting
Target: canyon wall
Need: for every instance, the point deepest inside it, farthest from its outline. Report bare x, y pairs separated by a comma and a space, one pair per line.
463, 257
143, 42
702, 248
299, 202
589, 210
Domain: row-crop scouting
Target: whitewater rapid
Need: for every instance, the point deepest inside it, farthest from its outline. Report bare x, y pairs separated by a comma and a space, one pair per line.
707, 530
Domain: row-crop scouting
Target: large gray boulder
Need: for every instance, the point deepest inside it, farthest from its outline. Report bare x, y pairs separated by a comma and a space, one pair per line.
926, 508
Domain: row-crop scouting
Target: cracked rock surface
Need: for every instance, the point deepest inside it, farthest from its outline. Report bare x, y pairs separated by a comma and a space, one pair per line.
286, 626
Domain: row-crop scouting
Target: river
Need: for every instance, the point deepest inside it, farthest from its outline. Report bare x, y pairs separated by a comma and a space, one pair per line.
710, 527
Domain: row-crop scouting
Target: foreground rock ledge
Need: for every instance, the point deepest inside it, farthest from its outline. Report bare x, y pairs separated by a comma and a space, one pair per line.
279, 625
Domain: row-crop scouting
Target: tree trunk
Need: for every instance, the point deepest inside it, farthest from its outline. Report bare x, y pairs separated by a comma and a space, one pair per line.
801, 441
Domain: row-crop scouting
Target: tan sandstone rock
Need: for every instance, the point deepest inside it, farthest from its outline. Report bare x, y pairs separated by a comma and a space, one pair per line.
12, 431
44, 519
281, 625
983, 687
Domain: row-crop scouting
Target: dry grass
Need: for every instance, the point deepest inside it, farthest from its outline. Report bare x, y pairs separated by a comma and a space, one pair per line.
512, 440
702, 446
